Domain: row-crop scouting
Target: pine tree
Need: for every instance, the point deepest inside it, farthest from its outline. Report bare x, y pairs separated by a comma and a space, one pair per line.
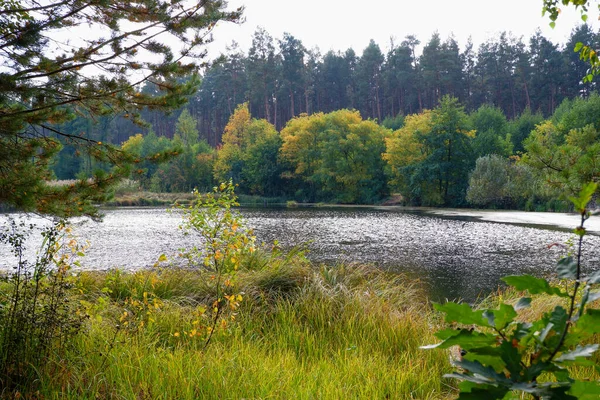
47, 80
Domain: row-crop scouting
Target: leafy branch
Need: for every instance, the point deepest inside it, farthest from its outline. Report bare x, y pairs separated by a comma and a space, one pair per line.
504, 354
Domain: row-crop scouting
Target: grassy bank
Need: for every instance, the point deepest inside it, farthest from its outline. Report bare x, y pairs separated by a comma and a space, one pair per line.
300, 332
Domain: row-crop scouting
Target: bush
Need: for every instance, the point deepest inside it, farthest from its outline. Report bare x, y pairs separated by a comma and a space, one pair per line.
39, 313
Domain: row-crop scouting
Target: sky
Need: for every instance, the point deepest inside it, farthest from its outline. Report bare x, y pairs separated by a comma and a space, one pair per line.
341, 24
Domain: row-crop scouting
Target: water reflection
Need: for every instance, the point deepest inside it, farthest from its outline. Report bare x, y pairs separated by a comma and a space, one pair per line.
456, 257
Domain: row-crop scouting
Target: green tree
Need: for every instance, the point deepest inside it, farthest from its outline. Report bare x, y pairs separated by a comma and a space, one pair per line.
520, 128
566, 162
45, 83
431, 156
187, 129
146, 151
248, 155
400, 78
192, 168
336, 157
292, 53
491, 129
262, 68
262, 170
369, 81
500, 182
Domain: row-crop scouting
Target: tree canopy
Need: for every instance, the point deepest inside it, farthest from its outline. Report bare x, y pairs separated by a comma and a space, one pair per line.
48, 79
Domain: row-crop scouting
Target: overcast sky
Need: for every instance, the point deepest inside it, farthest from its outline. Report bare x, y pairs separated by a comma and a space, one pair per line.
340, 24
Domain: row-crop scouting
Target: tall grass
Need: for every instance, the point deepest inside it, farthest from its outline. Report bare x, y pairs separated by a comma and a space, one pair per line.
301, 332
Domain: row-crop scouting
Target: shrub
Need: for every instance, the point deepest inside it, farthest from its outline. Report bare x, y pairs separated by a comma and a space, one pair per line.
503, 354
39, 313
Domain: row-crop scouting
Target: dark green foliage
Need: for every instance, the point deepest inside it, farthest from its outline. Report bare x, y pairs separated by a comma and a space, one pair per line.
45, 84
506, 72
504, 354
368, 80
491, 126
520, 128
393, 123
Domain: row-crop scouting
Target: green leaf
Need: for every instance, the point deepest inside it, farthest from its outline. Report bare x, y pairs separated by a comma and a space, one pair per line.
493, 360
584, 390
523, 329
584, 17
587, 326
511, 357
557, 393
481, 373
462, 313
533, 285
483, 393
567, 268
594, 278
552, 24
465, 339
536, 369
580, 351
578, 47
524, 302
586, 193
446, 333
559, 318
504, 316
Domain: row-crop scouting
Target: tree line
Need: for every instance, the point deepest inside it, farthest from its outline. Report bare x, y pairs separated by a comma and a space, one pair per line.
445, 156
281, 79
252, 114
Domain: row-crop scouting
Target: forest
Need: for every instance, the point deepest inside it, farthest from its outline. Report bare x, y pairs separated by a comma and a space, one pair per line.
445, 128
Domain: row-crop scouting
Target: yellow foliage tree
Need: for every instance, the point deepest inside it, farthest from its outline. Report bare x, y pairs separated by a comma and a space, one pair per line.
404, 147
336, 156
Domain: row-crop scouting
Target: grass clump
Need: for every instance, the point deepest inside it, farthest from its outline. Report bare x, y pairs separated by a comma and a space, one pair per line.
301, 331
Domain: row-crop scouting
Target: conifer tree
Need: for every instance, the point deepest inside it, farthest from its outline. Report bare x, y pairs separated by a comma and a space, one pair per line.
89, 58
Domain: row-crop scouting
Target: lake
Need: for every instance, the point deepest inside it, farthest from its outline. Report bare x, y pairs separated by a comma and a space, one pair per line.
456, 253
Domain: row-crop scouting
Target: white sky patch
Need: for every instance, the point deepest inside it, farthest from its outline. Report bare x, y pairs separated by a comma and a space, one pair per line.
341, 24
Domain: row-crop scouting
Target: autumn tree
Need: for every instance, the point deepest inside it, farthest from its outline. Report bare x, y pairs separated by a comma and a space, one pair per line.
46, 82
431, 156
405, 149
336, 157
249, 154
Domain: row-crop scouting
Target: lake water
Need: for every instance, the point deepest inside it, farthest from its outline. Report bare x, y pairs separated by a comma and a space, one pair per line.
456, 253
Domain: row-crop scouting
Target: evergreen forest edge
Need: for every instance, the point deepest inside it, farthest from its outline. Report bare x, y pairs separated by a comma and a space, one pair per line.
448, 128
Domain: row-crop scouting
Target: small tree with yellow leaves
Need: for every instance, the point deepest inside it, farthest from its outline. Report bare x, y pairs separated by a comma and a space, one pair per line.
226, 240
39, 313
